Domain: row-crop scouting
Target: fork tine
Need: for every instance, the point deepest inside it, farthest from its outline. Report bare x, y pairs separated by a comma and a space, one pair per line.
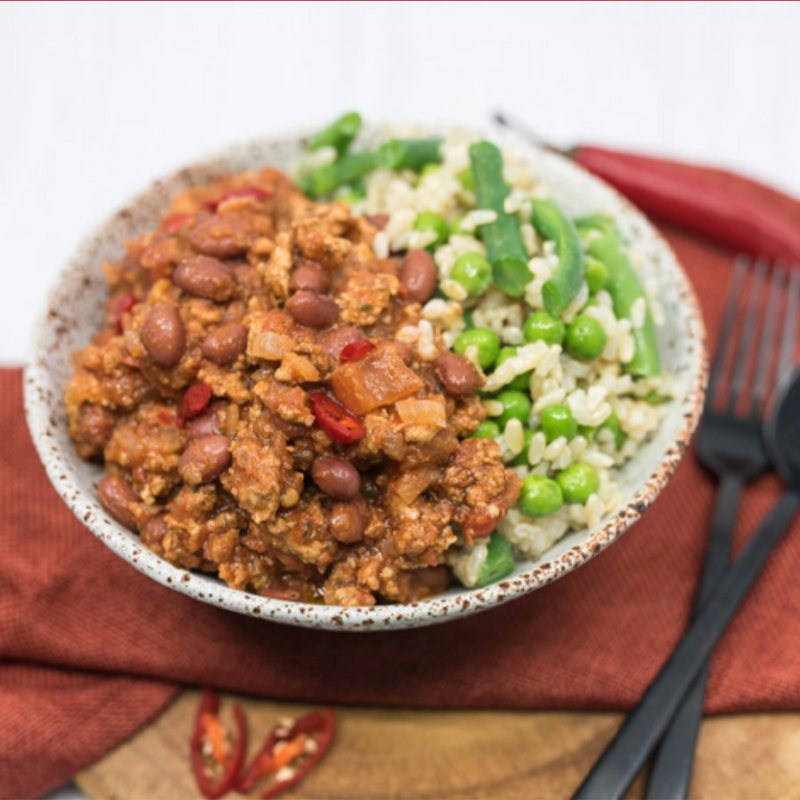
789, 336
767, 346
747, 336
740, 268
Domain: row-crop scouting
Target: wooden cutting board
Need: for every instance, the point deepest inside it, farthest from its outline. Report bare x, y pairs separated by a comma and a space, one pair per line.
396, 754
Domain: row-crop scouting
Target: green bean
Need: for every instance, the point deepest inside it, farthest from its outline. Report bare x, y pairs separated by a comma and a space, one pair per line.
409, 153
499, 561
595, 222
565, 282
625, 289
503, 239
338, 134
321, 181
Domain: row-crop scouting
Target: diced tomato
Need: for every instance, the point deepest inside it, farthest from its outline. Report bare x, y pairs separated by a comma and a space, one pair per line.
355, 351
124, 305
244, 191
194, 403
341, 425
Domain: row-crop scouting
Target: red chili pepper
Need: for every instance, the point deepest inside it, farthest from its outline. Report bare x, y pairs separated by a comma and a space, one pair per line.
195, 401
318, 726
231, 763
341, 425
244, 191
174, 222
355, 351
713, 204
124, 305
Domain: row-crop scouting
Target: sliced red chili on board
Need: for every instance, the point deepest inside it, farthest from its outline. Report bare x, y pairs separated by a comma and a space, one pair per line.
215, 762
244, 191
124, 305
355, 351
174, 222
303, 743
341, 425
195, 401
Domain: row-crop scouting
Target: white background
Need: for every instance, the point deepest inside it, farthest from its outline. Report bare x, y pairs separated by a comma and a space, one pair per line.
99, 99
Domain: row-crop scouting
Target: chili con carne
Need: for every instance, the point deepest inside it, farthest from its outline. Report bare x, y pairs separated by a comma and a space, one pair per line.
244, 191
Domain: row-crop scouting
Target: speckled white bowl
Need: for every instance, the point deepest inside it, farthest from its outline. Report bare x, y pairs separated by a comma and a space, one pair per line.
75, 311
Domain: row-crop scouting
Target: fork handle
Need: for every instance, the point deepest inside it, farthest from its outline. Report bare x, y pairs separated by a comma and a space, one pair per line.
672, 767
624, 757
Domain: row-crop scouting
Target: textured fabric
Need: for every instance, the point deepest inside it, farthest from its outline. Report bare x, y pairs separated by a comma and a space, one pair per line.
90, 648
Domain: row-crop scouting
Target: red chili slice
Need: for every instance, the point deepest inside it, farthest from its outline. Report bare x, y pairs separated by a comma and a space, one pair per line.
318, 726
124, 305
244, 191
355, 351
234, 758
174, 222
194, 403
341, 425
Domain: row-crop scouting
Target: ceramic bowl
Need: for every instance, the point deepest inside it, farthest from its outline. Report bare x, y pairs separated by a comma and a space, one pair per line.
74, 312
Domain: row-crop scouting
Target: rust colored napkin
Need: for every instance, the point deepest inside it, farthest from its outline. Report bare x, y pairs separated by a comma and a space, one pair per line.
90, 649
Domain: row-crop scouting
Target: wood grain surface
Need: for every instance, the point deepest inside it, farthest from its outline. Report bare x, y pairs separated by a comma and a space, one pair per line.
397, 754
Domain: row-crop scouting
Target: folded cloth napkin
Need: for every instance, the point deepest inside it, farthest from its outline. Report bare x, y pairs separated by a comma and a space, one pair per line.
90, 649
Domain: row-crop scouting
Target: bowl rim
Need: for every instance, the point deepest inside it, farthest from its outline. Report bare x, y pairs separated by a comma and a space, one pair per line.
211, 590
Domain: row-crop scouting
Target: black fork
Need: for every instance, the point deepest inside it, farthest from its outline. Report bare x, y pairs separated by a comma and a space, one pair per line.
745, 371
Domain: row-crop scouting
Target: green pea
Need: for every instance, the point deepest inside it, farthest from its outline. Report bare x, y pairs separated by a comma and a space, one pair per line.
486, 430
586, 338
516, 405
467, 179
522, 459
521, 382
428, 168
611, 423
557, 420
428, 221
596, 274
455, 227
577, 482
540, 496
540, 325
485, 341
473, 272
499, 561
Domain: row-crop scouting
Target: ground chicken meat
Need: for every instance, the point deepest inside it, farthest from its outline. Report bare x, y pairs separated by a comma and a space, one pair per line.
250, 336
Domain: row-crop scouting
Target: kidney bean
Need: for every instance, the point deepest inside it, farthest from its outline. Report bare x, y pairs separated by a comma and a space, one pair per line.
116, 497
206, 277
312, 310
96, 424
225, 344
337, 477
205, 459
221, 237
457, 374
153, 533
310, 277
207, 424
379, 221
404, 350
418, 275
164, 335
347, 522
334, 342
